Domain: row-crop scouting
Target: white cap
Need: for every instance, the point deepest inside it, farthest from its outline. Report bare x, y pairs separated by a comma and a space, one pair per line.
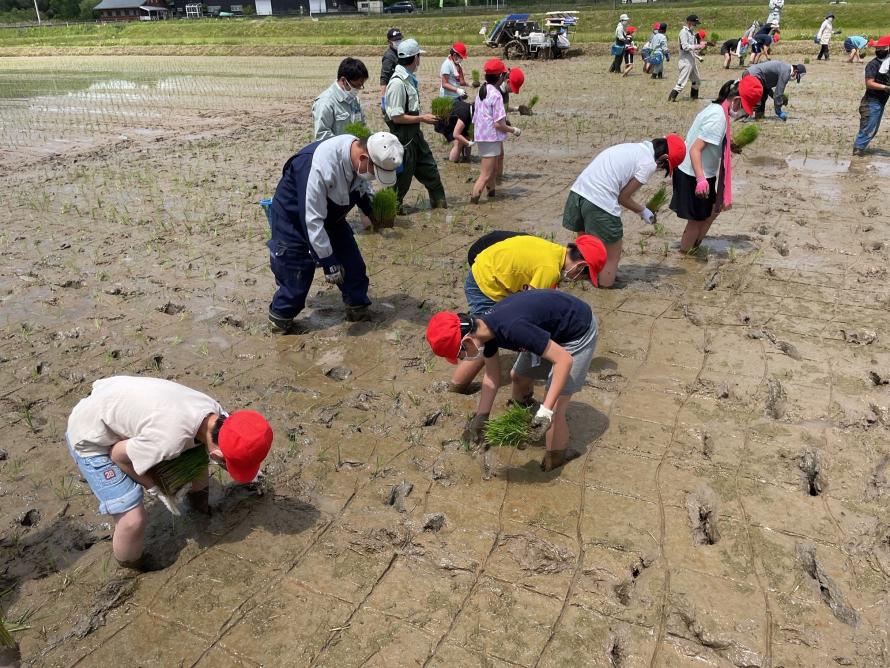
624, 17
408, 48
386, 152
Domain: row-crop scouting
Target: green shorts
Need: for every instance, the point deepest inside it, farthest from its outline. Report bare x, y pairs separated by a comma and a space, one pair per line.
582, 215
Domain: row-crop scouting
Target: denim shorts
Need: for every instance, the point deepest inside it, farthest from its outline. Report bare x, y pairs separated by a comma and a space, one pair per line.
117, 492
479, 302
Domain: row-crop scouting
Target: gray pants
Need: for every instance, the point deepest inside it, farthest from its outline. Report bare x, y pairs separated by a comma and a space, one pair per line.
688, 72
581, 350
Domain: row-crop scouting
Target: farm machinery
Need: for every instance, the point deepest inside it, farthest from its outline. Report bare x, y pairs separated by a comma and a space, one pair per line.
520, 37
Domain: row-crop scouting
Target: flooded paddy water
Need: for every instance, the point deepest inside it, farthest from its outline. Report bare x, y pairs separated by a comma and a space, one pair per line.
730, 502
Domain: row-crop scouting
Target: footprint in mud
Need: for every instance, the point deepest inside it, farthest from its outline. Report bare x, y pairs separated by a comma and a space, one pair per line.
702, 506
171, 309
776, 399
826, 587
536, 554
398, 494
877, 484
624, 590
618, 646
809, 461
859, 337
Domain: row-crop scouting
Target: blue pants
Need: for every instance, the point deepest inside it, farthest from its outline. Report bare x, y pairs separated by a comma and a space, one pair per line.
293, 265
870, 113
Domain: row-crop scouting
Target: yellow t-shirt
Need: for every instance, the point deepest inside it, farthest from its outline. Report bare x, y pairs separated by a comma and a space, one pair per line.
509, 266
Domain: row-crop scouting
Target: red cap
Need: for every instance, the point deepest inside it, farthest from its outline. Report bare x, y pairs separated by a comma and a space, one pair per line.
494, 66
443, 335
750, 90
460, 49
745, 41
702, 34
517, 78
881, 41
594, 253
631, 29
776, 36
656, 25
676, 151
245, 439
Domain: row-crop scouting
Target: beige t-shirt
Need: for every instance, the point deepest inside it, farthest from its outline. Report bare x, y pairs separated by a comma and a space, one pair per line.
158, 419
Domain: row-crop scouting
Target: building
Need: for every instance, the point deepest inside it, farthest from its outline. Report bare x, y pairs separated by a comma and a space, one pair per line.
132, 10
268, 7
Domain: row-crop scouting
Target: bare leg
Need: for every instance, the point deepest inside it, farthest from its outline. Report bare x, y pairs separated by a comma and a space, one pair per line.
128, 540
486, 173
521, 386
558, 434
695, 232
610, 269
627, 69
465, 372
499, 173
455, 153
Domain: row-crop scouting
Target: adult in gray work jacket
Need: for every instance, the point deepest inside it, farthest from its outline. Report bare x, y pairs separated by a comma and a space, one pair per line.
774, 75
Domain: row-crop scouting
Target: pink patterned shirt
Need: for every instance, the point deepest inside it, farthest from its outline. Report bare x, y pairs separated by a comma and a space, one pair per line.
486, 113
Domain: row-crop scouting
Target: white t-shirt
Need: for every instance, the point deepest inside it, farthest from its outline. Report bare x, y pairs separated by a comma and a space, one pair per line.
449, 69
158, 419
710, 126
613, 169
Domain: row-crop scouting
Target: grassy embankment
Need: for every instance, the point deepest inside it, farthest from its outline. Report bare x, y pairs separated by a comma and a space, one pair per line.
273, 36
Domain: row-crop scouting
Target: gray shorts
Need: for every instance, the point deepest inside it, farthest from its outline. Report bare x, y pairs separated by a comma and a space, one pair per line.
581, 350
489, 149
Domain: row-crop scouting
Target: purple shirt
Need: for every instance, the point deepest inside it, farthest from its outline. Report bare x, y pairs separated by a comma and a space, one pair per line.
486, 113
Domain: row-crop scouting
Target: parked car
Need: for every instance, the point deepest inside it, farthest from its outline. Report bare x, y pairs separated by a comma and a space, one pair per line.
401, 7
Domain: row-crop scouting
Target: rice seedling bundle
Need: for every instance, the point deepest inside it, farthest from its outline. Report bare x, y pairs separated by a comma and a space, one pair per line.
474, 76
657, 200
173, 474
384, 205
533, 101
358, 129
510, 429
747, 135
441, 107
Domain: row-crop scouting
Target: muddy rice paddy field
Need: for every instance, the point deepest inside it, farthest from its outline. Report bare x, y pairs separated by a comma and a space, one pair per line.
730, 502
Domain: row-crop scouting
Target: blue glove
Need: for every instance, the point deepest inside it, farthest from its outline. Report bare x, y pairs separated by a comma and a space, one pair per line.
783, 116
383, 103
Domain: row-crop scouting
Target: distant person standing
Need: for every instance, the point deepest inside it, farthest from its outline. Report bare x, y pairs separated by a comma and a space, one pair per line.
658, 51
390, 58
826, 31
339, 105
403, 117
775, 11
452, 74
689, 59
620, 44
877, 91
855, 46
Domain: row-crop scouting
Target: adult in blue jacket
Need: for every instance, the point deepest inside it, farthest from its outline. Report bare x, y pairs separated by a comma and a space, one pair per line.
319, 187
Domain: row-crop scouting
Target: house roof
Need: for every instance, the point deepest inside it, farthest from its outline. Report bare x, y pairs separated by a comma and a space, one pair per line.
121, 4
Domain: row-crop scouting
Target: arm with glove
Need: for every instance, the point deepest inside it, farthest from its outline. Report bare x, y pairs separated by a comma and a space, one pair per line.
561, 360
625, 199
779, 92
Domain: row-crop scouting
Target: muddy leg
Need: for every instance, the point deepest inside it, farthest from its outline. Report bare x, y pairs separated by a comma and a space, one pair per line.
610, 269
522, 386
558, 434
128, 540
486, 174
464, 374
455, 154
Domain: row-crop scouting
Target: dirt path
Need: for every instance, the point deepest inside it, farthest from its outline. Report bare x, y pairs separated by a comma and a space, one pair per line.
731, 498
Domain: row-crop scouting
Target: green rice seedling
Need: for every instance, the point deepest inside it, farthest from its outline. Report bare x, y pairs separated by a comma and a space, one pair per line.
746, 135
474, 76
174, 474
441, 107
510, 429
358, 129
657, 200
535, 99
6, 639
384, 207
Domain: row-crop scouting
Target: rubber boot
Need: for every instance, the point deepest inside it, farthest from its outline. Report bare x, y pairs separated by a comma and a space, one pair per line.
693, 94
672, 96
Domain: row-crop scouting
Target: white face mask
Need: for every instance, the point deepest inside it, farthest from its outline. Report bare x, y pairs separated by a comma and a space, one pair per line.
367, 175
737, 112
350, 91
505, 87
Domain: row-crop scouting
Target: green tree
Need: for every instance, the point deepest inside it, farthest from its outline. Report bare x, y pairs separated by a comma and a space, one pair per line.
86, 9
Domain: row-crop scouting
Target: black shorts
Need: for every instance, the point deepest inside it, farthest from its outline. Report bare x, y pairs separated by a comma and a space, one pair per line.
685, 204
628, 57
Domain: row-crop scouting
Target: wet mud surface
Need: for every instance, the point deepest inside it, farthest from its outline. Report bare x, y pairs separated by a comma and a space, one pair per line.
729, 502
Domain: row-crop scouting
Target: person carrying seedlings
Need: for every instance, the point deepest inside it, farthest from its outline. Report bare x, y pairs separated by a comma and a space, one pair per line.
855, 46
658, 51
504, 263
630, 51
389, 61
128, 425
452, 74
555, 334
490, 127
319, 186
403, 118
774, 75
338, 106
689, 59
620, 43
877, 90
703, 182
608, 183
734, 47
824, 35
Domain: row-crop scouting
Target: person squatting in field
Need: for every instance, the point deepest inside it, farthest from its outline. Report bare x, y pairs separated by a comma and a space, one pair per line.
555, 335
503, 263
127, 425
774, 75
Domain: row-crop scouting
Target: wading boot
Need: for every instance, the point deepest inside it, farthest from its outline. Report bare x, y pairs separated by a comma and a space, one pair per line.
439, 204
693, 94
672, 96
361, 313
280, 324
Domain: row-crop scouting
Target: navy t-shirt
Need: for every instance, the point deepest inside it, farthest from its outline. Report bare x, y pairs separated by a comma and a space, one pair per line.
871, 72
529, 320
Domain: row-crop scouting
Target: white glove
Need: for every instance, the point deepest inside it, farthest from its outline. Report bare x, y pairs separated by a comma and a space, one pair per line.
647, 216
540, 423
171, 503
516, 131
461, 92
471, 144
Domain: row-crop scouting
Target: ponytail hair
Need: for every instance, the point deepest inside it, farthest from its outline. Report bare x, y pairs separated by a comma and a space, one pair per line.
489, 79
727, 90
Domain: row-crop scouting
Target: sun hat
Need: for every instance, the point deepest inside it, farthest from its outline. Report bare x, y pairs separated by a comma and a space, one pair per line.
460, 49
245, 439
387, 153
624, 17
829, 16
517, 78
393, 35
676, 151
443, 334
801, 70
494, 66
594, 253
750, 90
409, 48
